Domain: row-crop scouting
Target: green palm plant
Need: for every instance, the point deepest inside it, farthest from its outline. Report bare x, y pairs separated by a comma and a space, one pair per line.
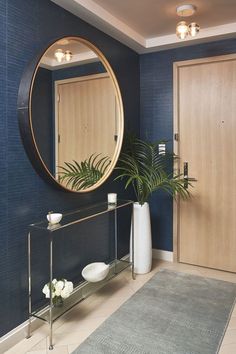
146, 170
84, 174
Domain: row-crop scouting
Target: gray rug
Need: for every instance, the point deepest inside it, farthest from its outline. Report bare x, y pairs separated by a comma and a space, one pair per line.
173, 313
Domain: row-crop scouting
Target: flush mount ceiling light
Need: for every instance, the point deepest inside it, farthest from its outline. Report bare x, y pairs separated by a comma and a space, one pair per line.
182, 28
186, 10
68, 55
194, 28
60, 55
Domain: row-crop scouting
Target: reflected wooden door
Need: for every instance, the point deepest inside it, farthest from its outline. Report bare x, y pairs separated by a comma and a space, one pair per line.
205, 119
86, 118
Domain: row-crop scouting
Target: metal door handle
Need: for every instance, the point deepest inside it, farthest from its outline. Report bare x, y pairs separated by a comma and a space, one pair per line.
186, 177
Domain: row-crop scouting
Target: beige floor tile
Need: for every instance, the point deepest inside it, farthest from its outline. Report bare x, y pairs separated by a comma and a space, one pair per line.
135, 285
58, 350
27, 344
69, 338
117, 287
230, 337
234, 312
228, 349
232, 323
14, 350
72, 347
104, 309
144, 277
37, 352
78, 324
41, 345
100, 307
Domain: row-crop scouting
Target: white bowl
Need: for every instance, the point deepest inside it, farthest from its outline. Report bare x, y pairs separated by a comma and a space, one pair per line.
95, 272
54, 218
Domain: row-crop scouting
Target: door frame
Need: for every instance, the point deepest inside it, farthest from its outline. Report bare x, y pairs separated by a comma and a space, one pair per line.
176, 166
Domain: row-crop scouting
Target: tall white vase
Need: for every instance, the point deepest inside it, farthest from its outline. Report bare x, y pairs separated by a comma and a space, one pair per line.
142, 239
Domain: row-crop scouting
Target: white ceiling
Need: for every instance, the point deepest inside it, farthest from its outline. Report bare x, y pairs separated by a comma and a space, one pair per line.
149, 25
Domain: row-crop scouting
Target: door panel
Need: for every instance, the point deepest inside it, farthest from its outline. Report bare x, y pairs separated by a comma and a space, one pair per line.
86, 119
206, 106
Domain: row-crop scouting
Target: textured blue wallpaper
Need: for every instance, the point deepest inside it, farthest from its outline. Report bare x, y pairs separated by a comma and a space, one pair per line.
80, 70
26, 27
156, 117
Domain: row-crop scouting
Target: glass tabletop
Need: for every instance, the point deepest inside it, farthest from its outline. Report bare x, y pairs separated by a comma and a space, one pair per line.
80, 215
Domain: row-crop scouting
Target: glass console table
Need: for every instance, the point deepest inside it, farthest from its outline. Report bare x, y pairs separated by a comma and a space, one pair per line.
49, 312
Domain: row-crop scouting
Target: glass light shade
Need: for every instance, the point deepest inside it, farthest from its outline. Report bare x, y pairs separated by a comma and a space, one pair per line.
182, 30
68, 55
194, 28
59, 55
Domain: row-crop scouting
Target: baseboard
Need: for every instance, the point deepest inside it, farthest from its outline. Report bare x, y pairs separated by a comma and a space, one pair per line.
163, 255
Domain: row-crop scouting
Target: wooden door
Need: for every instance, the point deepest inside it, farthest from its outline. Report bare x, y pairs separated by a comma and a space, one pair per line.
86, 118
205, 112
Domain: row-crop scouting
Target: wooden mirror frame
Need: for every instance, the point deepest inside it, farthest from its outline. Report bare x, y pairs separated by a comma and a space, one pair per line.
24, 110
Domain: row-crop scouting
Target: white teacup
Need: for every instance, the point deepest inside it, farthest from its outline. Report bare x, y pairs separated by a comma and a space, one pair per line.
54, 218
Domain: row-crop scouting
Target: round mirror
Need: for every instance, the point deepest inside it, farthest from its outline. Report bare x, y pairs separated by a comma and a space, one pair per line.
75, 115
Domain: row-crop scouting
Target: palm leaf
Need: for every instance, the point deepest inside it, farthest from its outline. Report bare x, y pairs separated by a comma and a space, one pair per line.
84, 174
141, 165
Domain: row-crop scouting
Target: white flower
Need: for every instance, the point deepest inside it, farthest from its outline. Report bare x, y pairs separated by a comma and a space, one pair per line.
61, 288
65, 293
69, 286
46, 290
59, 285
58, 292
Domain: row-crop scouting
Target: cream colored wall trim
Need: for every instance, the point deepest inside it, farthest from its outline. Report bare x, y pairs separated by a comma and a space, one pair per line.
163, 255
205, 35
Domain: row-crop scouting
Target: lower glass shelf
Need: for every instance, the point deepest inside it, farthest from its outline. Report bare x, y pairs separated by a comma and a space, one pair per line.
81, 292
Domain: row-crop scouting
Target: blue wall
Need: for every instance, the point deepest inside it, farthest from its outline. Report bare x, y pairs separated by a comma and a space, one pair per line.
80, 70
156, 117
26, 27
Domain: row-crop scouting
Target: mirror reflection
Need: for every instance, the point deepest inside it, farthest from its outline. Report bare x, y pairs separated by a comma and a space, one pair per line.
75, 115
